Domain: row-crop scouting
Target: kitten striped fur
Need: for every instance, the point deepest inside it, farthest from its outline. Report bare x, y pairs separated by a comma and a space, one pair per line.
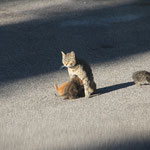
78, 67
141, 77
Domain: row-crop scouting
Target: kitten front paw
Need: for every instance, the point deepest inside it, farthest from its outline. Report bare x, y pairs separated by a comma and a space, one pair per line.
87, 96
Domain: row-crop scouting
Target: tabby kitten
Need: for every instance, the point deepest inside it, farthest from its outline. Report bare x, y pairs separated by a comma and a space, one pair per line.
141, 77
74, 89
78, 67
71, 90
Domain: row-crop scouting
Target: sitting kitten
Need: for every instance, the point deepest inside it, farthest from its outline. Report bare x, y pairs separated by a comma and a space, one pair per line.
141, 77
80, 68
71, 90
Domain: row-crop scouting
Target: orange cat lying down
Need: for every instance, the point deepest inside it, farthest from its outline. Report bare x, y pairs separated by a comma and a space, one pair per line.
72, 89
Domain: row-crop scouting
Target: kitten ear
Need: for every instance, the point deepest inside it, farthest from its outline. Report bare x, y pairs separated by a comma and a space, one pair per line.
63, 54
72, 53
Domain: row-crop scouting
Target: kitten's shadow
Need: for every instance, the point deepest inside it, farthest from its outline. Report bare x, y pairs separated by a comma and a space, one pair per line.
111, 88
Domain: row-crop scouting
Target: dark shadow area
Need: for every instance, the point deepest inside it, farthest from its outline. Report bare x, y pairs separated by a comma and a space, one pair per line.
10, 1
113, 88
139, 144
33, 47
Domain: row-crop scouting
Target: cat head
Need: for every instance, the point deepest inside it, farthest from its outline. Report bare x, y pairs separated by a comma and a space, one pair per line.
69, 59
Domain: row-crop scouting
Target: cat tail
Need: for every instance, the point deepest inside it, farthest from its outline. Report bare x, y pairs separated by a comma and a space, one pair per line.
56, 87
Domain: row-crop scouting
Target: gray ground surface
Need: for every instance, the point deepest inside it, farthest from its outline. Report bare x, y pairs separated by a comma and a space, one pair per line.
113, 36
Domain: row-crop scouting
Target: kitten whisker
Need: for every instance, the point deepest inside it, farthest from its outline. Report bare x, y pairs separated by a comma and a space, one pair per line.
62, 67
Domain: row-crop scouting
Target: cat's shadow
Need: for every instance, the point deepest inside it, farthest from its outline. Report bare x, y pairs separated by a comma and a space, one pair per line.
111, 88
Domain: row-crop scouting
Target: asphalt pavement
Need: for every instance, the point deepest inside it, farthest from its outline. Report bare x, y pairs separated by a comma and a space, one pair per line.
112, 36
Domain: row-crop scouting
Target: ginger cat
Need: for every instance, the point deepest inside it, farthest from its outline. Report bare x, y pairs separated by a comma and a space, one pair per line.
71, 90
80, 68
61, 89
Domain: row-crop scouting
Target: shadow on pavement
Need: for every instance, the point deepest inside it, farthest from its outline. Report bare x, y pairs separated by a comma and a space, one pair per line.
140, 144
113, 88
33, 47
